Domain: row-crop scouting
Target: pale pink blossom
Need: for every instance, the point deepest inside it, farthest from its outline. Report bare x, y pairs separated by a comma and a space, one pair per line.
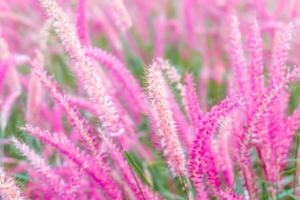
8, 187
164, 120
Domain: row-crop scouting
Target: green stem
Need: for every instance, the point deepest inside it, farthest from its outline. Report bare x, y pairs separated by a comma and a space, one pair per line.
1, 145
138, 185
184, 186
296, 163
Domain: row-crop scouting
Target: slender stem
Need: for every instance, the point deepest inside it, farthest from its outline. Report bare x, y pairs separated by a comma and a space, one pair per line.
184, 187
296, 163
137, 182
273, 191
1, 144
248, 183
138, 185
132, 172
277, 178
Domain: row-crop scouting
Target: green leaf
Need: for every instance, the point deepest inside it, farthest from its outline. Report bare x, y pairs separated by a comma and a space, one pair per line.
136, 167
289, 171
22, 179
287, 193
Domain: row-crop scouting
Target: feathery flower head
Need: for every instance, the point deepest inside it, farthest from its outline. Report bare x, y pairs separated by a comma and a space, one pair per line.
66, 147
163, 118
191, 101
238, 63
8, 187
94, 85
119, 13
41, 166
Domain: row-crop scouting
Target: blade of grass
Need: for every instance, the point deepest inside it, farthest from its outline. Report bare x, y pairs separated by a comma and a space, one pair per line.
136, 168
127, 156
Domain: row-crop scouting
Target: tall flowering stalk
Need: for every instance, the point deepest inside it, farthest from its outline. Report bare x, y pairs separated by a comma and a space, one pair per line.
74, 115
74, 185
202, 162
139, 189
237, 58
256, 68
95, 87
81, 24
8, 187
118, 70
191, 101
120, 15
53, 180
173, 78
66, 147
164, 120
86, 132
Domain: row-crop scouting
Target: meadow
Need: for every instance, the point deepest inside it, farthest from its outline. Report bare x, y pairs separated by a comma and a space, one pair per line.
149, 100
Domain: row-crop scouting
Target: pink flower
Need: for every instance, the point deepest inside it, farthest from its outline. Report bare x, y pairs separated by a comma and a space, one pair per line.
164, 120
66, 147
8, 187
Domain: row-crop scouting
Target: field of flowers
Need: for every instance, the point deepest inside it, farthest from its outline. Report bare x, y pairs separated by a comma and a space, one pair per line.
149, 99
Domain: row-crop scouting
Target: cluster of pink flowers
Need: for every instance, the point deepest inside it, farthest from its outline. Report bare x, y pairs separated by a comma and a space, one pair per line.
132, 63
